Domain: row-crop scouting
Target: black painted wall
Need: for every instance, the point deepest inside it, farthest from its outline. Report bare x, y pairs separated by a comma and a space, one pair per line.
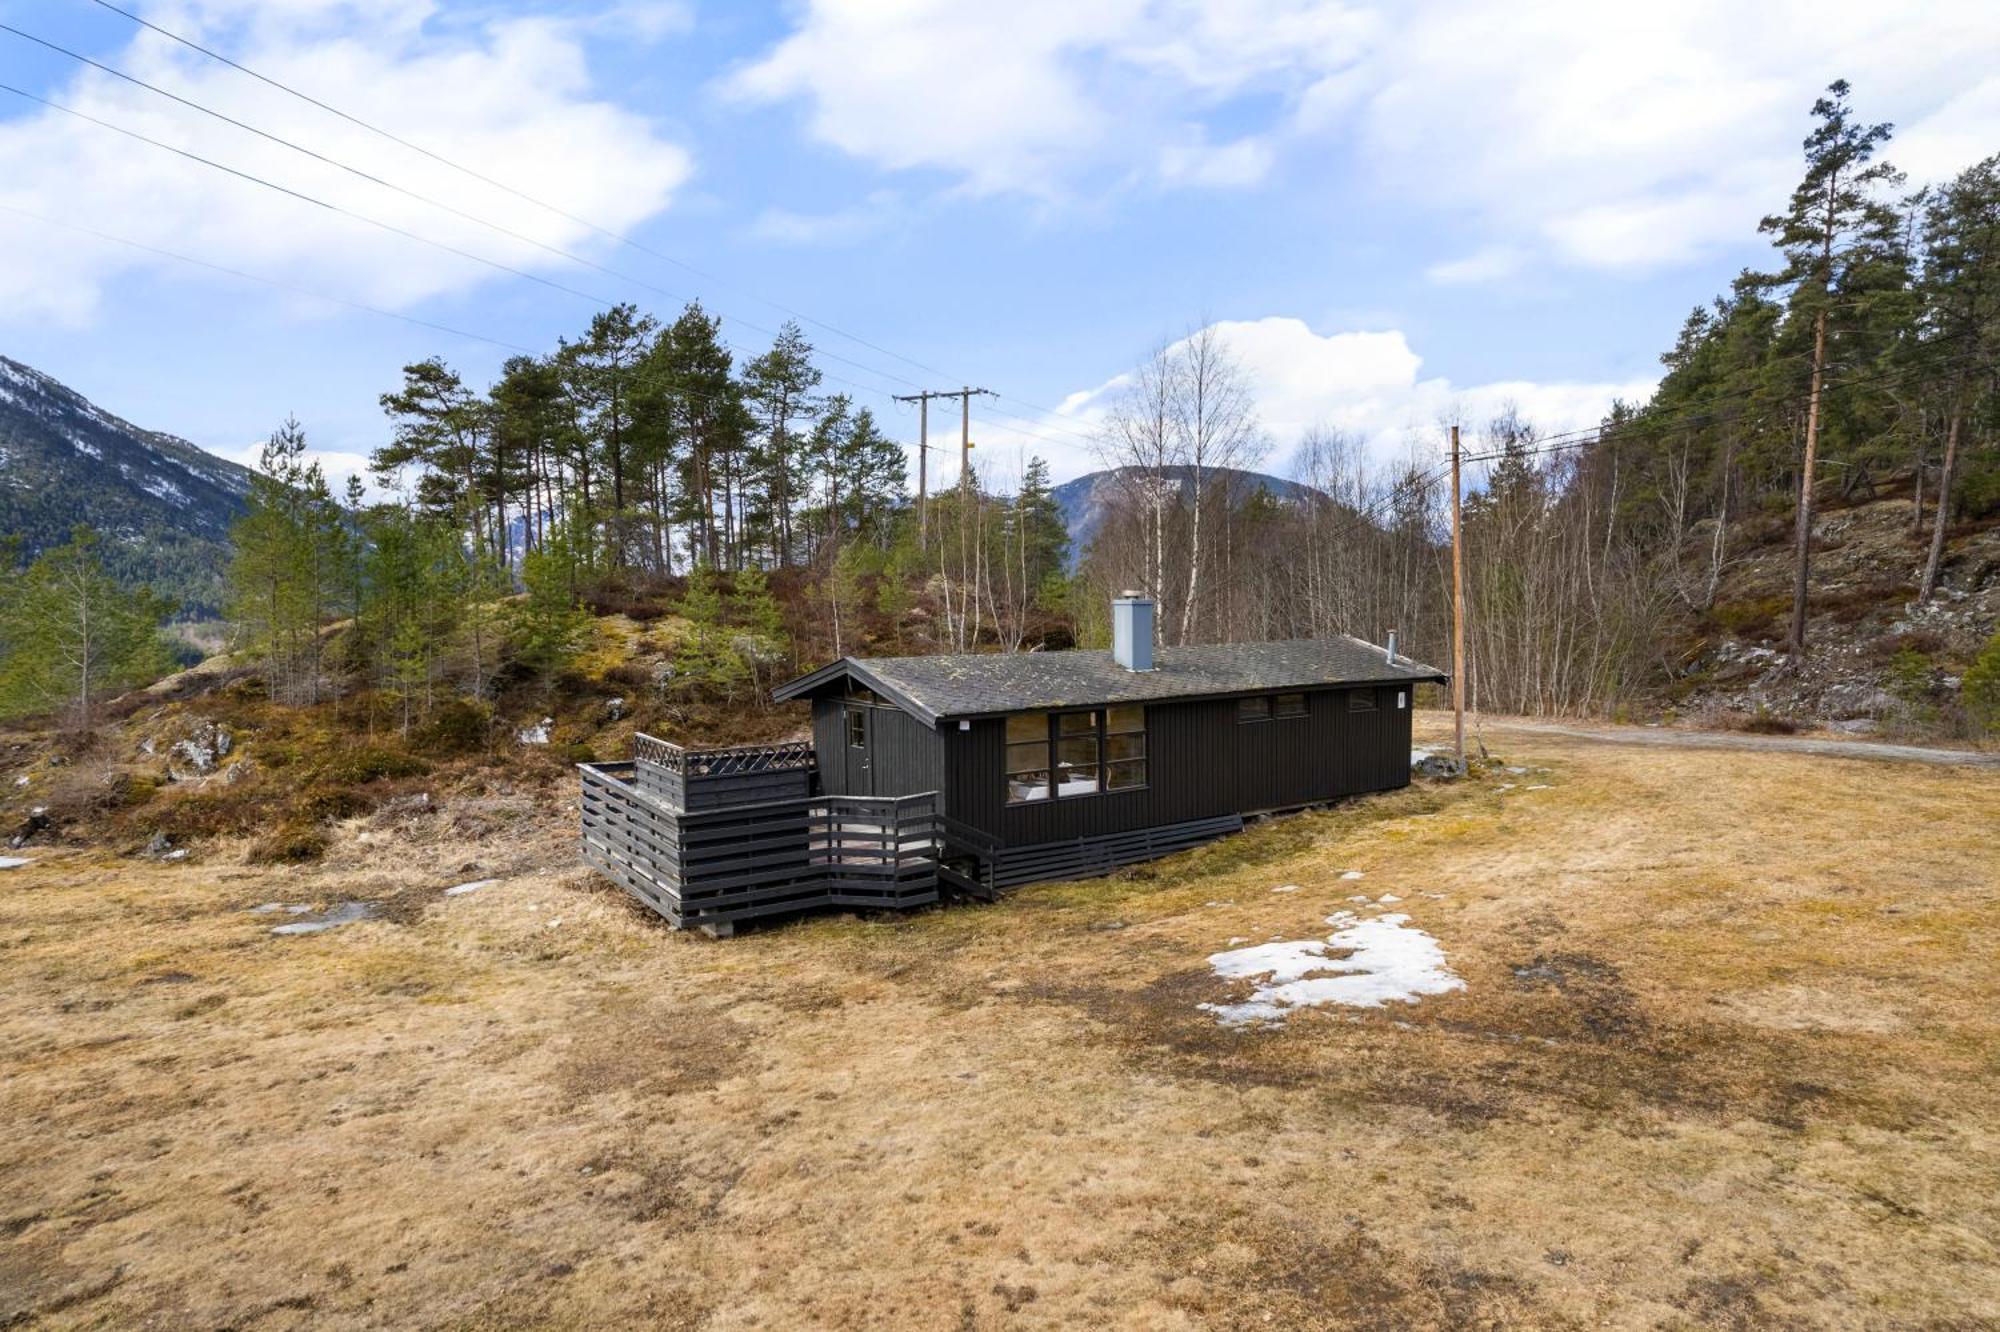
1201, 763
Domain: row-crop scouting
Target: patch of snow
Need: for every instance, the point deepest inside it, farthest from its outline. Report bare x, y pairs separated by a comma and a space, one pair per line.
13, 862
1351, 874
1235, 939
295, 908
21, 780
161, 488
1538, 786
459, 890
1286, 888
537, 734
1386, 898
1365, 964
1504, 786
1359, 898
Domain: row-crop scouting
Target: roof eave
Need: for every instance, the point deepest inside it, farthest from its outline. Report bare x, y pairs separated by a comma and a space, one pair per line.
813, 681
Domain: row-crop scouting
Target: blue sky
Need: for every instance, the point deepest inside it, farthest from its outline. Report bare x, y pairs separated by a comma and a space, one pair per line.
1396, 212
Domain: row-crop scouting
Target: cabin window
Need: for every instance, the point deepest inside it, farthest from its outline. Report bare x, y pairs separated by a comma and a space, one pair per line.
1027, 757
1077, 754
1063, 754
1361, 700
857, 729
1289, 705
1124, 748
1253, 709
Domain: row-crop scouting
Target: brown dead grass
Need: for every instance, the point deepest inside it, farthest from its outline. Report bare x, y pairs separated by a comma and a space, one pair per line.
1726, 1057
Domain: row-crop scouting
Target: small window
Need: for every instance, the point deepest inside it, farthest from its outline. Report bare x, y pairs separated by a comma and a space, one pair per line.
1289, 705
1253, 709
857, 729
1361, 700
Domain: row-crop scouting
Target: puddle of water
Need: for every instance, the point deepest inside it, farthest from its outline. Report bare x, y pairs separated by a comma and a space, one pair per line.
346, 913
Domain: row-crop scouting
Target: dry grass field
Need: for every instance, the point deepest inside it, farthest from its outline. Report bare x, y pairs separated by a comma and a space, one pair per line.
1727, 1055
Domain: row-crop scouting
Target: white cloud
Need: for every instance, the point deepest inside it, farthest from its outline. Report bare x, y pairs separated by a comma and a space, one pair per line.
1368, 383
1040, 97
511, 98
840, 226
1487, 264
1602, 137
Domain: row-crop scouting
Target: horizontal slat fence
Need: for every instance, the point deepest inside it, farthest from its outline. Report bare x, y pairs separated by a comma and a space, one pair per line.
711, 867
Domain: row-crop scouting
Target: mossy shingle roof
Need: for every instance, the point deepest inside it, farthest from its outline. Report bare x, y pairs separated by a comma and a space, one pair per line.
979, 684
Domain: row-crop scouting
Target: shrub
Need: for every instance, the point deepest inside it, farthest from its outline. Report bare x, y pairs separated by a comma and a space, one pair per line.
293, 842
352, 767
1982, 689
1751, 618
459, 727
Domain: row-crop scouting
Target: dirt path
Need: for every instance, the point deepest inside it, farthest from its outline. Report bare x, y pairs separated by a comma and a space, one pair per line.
1785, 744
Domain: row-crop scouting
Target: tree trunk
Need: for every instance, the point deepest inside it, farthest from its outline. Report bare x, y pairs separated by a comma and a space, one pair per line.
1803, 556
1928, 587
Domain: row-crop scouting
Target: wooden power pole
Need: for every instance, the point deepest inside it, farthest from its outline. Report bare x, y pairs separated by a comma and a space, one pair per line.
923, 401
1457, 610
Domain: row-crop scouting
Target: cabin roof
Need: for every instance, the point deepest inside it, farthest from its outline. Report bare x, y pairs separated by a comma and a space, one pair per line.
991, 683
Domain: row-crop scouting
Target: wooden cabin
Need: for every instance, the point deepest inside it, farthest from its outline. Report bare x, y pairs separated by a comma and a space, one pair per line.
1050, 765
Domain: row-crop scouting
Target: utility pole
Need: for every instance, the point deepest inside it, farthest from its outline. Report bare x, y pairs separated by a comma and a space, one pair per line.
1457, 610
923, 401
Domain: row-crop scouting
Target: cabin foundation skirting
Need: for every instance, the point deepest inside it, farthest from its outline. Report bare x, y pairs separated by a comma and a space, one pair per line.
1086, 857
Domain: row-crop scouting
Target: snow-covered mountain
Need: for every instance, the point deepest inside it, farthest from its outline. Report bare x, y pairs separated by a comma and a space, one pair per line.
162, 505
1086, 500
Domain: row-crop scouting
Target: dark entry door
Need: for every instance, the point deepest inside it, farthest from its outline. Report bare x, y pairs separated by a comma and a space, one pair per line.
858, 735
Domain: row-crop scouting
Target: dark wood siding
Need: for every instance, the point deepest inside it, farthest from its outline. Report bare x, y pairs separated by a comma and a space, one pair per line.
904, 756
1201, 764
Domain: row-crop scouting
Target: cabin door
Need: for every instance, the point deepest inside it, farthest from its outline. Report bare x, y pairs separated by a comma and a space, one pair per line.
858, 732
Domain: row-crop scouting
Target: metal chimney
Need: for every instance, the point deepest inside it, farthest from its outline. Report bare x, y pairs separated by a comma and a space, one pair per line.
1392, 647
1132, 631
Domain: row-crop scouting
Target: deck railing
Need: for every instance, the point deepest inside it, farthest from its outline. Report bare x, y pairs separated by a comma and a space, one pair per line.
710, 861
782, 757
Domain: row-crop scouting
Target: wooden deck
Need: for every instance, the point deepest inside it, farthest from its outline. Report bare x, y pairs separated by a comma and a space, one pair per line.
710, 837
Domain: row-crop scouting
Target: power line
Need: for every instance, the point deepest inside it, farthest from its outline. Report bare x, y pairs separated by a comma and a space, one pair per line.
610, 234
266, 281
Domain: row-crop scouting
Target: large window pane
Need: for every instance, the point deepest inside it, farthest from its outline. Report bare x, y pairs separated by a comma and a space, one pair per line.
1125, 746
1025, 786
1028, 758
1290, 705
1027, 726
1077, 723
1076, 765
1129, 718
1253, 709
1123, 776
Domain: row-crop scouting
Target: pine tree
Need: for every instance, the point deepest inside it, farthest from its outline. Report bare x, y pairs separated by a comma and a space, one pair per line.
548, 626
289, 571
778, 388
1960, 292
76, 635
1835, 230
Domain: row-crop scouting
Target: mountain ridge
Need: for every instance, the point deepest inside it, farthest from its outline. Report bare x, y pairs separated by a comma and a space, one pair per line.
163, 505
1086, 500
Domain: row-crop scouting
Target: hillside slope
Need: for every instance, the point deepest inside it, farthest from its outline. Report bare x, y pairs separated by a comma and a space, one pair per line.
163, 505
1876, 660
